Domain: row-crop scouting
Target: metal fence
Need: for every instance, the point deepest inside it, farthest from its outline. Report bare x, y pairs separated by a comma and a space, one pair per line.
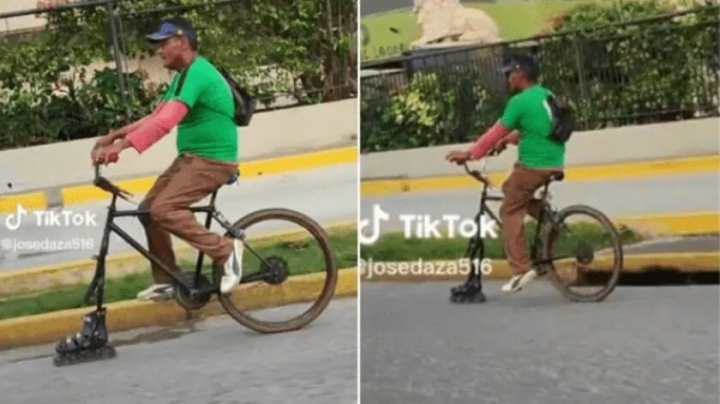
657, 69
93, 54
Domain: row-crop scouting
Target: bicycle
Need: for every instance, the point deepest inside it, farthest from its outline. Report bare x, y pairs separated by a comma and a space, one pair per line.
194, 289
550, 223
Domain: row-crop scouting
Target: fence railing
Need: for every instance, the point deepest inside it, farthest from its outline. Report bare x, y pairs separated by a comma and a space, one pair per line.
653, 70
79, 68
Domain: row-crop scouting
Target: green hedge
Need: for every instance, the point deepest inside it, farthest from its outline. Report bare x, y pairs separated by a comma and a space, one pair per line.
46, 95
645, 72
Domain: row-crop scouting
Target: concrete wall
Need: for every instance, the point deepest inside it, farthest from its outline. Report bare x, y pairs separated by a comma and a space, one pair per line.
19, 23
631, 143
271, 134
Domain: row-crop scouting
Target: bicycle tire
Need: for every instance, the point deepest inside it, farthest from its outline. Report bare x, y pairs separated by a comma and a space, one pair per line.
616, 247
266, 327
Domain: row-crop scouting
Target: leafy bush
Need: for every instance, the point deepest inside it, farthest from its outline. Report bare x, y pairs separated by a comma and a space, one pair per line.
434, 109
661, 70
48, 92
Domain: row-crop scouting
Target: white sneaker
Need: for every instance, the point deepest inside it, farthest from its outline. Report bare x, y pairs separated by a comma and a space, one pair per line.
233, 269
157, 292
516, 283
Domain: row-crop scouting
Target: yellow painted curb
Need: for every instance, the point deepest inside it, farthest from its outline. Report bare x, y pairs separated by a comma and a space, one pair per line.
89, 193
127, 315
582, 173
680, 224
30, 201
448, 270
26, 281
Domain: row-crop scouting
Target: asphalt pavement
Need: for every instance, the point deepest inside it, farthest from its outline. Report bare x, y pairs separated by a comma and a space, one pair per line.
682, 193
654, 345
214, 361
80, 238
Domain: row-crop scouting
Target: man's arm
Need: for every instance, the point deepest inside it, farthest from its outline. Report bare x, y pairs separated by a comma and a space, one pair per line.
127, 129
507, 125
513, 137
488, 140
156, 126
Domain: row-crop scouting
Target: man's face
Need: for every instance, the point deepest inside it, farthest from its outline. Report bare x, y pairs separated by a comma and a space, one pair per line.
514, 80
170, 51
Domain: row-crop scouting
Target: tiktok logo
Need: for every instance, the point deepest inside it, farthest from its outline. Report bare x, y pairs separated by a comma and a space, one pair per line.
14, 221
377, 215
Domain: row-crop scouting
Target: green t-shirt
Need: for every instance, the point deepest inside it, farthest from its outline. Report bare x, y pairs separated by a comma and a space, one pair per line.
208, 129
528, 113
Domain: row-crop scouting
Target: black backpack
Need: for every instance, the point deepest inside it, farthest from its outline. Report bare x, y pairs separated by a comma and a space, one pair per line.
563, 120
244, 103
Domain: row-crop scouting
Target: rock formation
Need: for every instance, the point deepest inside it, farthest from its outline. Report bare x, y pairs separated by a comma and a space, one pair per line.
448, 21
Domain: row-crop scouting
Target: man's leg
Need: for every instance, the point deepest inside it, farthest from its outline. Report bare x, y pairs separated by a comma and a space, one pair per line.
518, 193
159, 240
196, 178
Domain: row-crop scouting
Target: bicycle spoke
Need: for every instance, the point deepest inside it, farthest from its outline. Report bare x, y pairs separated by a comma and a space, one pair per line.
571, 250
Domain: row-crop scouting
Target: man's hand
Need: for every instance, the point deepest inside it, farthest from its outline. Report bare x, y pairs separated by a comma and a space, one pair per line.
458, 156
107, 155
106, 140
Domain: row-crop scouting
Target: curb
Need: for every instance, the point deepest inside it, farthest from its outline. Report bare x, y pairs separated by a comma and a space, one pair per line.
71, 195
377, 187
677, 224
38, 279
128, 315
449, 270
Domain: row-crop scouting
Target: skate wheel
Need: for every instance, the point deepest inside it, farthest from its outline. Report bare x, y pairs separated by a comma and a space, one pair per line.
75, 358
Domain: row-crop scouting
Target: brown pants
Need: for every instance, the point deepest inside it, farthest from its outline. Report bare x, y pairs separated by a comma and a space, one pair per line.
188, 180
518, 200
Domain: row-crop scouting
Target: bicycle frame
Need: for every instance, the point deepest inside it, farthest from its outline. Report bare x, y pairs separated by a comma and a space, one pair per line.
98, 281
477, 242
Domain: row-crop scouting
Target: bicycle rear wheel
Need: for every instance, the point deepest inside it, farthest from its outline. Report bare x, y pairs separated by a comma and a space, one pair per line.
297, 252
587, 252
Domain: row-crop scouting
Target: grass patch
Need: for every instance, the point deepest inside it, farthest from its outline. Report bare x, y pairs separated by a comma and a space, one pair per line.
516, 20
302, 258
394, 247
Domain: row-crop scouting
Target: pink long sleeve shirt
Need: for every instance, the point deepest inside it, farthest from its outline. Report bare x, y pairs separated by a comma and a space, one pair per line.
168, 116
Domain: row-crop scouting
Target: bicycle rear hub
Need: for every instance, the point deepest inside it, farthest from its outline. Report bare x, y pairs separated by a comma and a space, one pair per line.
274, 270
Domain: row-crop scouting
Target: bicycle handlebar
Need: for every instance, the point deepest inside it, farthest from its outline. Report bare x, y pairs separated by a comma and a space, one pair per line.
107, 186
480, 175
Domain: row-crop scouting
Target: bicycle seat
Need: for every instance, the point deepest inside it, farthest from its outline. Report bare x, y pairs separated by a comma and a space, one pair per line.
234, 178
557, 177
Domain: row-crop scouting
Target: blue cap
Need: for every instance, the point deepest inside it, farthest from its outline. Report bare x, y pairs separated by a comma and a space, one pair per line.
171, 28
523, 62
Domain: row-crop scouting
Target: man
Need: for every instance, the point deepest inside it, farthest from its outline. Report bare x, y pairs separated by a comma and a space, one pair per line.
527, 123
207, 142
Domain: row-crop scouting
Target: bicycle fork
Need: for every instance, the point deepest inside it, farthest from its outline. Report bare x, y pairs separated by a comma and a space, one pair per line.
97, 285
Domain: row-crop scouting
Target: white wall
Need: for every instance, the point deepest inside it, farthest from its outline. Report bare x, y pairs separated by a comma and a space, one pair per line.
276, 133
630, 143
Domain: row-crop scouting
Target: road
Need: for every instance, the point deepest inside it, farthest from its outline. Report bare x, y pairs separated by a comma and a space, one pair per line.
636, 196
537, 348
216, 361
326, 194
